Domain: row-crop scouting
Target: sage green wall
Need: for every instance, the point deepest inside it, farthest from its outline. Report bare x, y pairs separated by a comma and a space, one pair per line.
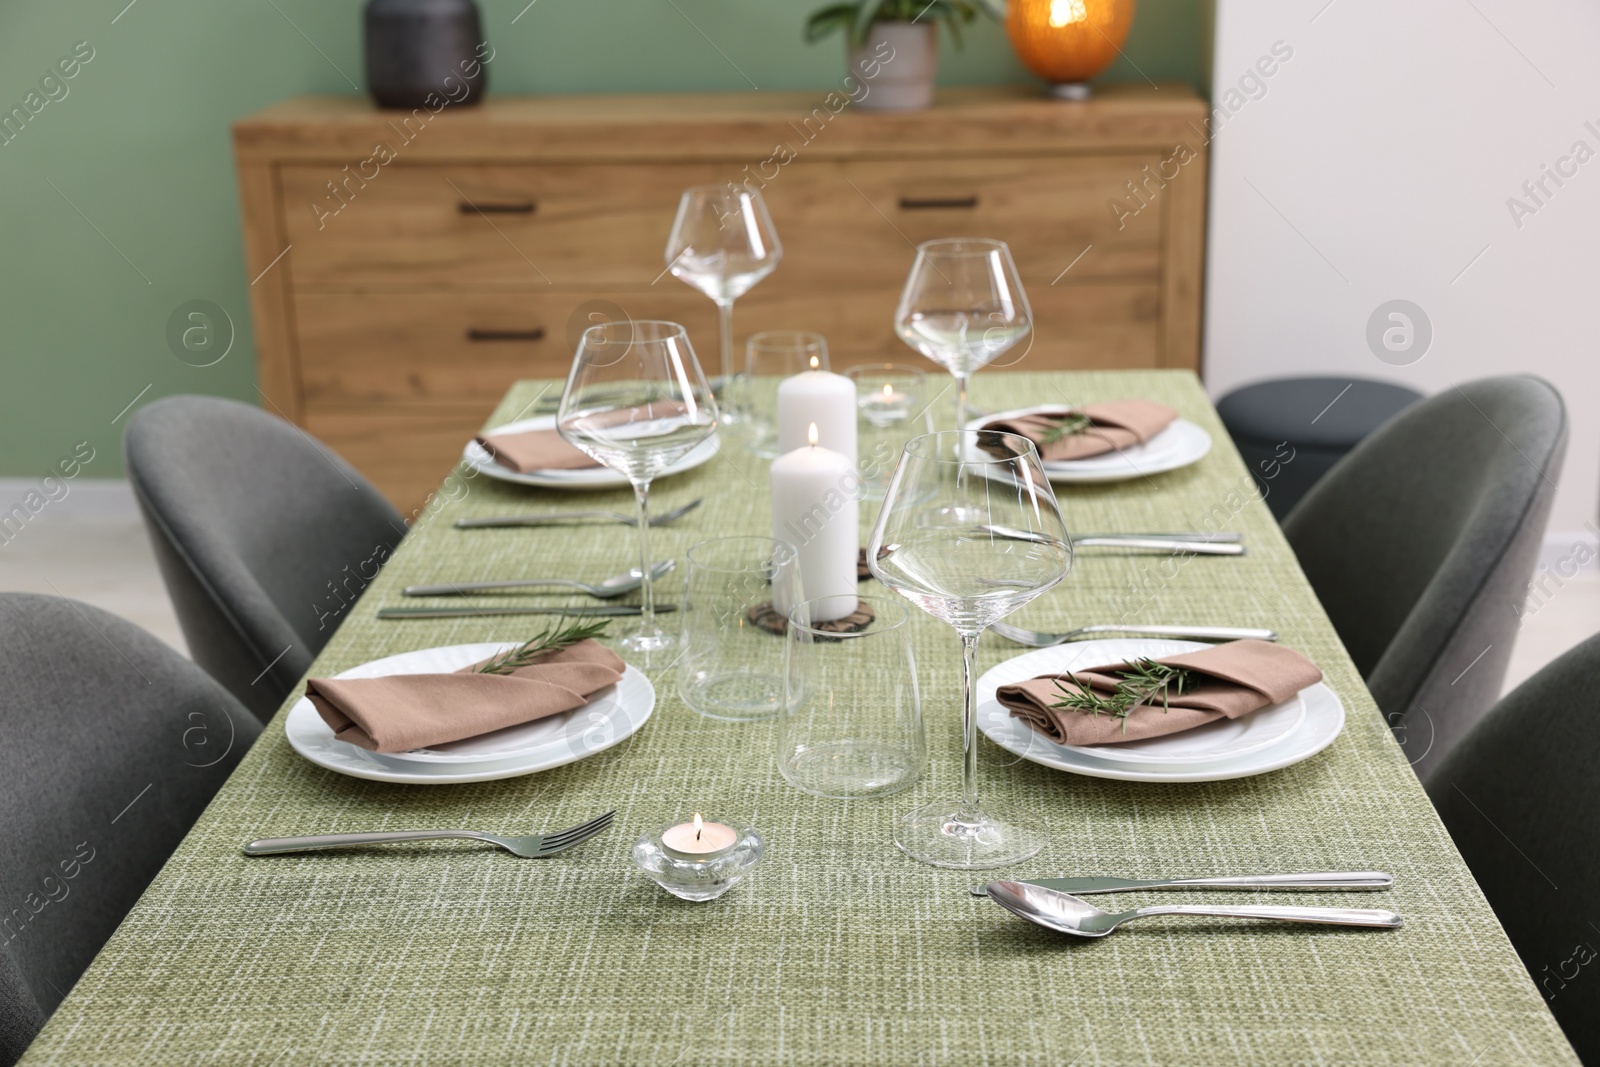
119, 202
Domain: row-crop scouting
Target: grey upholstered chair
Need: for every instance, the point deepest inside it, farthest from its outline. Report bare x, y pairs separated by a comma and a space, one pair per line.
1420, 544
1521, 798
264, 537
111, 744
1317, 421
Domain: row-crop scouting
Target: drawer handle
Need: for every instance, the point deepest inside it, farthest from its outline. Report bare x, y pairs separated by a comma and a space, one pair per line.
535, 334
509, 207
926, 203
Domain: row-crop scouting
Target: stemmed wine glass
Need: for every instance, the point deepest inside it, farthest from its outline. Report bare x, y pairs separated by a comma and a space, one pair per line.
962, 306
637, 402
723, 243
969, 532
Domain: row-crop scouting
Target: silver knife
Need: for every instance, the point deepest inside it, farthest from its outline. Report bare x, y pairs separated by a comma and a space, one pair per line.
1220, 537
1369, 880
1170, 544
606, 611
1177, 546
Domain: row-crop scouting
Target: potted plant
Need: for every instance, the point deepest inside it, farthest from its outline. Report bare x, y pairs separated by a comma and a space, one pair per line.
893, 45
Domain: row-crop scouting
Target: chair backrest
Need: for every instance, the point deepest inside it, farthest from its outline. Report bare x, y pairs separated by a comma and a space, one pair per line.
1420, 544
1521, 798
264, 537
111, 745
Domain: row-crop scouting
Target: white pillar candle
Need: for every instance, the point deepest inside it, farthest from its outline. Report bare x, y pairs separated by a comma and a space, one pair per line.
823, 398
814, 508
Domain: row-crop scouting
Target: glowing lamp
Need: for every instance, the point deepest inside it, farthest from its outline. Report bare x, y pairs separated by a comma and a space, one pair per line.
1067, 42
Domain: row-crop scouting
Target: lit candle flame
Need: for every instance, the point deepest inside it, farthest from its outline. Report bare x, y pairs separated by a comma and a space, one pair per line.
888, 390
1066, 12
816, 363
811, 435
699, 824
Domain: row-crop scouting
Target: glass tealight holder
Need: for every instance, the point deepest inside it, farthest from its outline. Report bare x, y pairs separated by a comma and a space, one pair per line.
892, 400
770, 357
693, 866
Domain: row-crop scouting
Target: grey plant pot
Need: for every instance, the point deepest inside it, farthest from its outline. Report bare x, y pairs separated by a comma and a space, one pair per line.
896, 66
418, 48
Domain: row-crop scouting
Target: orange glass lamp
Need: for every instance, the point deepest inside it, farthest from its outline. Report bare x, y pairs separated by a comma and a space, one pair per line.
1067, 42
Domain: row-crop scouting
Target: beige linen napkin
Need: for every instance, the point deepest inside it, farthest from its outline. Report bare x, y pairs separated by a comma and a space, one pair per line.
535, 450
406, 711
1116, 425
1242, 677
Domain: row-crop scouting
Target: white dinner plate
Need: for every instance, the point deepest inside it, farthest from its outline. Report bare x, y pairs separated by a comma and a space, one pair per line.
1179, 445
1234, 748
479, 460
611, 716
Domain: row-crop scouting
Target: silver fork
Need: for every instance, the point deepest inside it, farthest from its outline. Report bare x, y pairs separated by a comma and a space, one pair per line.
1037, 639
533, 846
569, 518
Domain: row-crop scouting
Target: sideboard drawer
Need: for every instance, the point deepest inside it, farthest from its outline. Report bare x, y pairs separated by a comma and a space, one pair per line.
846, 225
462, 226
430, 346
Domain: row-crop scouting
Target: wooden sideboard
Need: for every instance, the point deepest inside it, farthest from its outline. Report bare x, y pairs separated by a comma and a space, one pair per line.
407, 267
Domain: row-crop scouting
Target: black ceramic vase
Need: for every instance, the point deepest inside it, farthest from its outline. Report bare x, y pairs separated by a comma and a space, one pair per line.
421, 52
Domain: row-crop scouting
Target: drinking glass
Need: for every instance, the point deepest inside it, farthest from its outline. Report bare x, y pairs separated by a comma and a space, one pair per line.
730, 668
892, 400
962, 306
969, 532
851, 724
637, 402
769, 358
722, 243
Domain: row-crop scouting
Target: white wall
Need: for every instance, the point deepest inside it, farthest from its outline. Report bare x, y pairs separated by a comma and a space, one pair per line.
1376, 164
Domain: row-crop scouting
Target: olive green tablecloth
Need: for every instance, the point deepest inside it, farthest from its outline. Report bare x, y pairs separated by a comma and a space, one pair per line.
838, 950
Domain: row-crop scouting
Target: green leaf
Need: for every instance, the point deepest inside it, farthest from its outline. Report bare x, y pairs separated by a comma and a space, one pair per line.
558, 635
1073, 422
828, 19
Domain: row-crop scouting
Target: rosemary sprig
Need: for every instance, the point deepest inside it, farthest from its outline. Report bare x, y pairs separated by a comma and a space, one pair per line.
557, 636
1142, 682
1074, 422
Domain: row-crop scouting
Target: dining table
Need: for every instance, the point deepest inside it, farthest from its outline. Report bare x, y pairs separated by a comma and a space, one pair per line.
837, 948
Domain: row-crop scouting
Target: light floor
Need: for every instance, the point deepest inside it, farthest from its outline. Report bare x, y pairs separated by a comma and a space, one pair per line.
105, 560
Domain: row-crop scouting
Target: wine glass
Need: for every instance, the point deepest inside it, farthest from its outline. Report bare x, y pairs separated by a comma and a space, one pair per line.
962, 306
722, 243
969, 532
637, 402
770, 357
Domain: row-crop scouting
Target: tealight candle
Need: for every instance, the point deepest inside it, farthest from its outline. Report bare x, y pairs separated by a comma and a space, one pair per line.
885, 407
823, 399
699, 838
815, 508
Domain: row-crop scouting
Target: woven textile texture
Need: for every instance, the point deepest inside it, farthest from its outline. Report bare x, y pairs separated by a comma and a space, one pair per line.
838, 949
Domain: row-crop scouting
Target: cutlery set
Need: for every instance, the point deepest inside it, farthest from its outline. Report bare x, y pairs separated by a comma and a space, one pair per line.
1044, 902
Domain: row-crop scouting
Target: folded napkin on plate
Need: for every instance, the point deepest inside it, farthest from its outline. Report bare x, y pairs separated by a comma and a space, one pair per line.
535, 450
547, 450
406, 711
1113, 425
1241, 677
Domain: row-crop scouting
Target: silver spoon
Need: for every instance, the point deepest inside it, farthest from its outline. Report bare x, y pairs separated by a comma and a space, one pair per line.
1055, 910
614, 586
